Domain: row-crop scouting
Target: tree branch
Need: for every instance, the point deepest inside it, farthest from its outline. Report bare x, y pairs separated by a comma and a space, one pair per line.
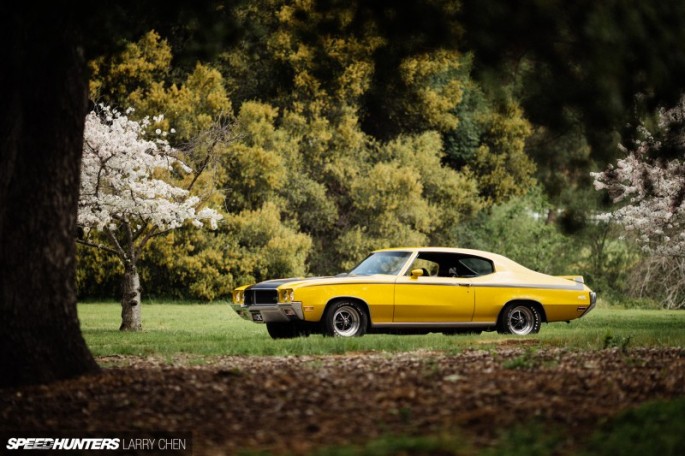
149, 236
113, 238
98, 246
129, 240
220, 132
204, 165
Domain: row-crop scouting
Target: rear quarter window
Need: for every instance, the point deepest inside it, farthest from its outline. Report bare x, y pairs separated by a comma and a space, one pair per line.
479, 266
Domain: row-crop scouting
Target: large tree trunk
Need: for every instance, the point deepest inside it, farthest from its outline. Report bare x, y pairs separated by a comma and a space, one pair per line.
130, 301
42, 109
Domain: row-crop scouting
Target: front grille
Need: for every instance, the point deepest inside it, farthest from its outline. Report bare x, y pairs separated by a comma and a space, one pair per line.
261, 297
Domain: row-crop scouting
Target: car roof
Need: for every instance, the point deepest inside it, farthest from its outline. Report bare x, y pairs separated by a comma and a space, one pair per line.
501, 262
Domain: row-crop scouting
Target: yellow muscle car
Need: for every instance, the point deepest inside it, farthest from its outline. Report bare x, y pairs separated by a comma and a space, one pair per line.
417, 290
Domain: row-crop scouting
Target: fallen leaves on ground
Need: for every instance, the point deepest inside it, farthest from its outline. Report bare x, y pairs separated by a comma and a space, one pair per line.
298, 403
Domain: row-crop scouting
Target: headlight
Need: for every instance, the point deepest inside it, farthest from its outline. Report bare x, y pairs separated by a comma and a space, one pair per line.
287, 295
238, 297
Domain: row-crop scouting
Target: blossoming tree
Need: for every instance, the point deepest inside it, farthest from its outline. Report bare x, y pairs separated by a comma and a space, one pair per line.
124, 196
652, 188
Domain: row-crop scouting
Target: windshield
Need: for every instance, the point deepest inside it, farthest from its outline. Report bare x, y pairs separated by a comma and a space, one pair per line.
389, 263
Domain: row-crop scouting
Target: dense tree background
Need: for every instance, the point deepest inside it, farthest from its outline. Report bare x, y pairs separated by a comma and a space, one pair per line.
359, 126
327, 128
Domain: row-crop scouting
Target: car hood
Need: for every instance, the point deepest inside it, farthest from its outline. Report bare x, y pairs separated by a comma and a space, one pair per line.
271, 284
324, 280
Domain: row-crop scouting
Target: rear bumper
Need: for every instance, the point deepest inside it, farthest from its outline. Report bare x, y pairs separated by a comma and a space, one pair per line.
593, 303
270, 313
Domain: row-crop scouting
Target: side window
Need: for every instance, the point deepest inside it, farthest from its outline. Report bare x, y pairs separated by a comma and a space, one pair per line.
447, 264
430, 268
475, 266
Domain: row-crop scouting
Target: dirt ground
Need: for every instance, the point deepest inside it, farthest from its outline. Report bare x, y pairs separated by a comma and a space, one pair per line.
299, 403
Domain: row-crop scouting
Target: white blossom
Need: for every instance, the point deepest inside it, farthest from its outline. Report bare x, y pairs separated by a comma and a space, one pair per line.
651, 191
118, 181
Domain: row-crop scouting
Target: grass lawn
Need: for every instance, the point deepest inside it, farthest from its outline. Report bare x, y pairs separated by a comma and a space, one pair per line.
187, 334
199, 330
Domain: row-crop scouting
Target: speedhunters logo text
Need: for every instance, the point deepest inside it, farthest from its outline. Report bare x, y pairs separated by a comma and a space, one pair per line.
62, 444
164, 443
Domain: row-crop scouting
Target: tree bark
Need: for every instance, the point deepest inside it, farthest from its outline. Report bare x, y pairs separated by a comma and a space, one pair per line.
130, 301
43, 102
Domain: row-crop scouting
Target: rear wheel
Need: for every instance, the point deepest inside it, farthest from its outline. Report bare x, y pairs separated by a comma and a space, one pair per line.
346, 319
520, 319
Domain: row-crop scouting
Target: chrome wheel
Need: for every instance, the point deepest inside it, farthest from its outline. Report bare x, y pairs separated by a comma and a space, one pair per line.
346, 321
520, 319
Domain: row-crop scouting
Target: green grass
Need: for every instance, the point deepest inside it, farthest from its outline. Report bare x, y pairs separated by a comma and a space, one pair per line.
655, 428
200, 330
442, 445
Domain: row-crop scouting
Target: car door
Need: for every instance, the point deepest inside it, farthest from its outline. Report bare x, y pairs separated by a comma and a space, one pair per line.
433, 300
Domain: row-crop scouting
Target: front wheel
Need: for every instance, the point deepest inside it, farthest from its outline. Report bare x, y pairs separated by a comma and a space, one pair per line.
282, 330
346, 319
520, 319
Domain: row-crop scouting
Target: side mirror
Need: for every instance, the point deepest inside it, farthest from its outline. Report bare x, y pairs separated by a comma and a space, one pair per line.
416, 273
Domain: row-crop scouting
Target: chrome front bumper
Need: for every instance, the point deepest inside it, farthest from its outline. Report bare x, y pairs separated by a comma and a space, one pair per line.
270, 313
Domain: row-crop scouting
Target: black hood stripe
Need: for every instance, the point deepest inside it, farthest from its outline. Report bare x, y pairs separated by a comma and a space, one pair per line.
273, 284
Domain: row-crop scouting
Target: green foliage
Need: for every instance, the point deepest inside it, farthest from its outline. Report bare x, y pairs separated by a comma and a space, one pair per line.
607, 259
267, 248
501, 165
533, 438
433, 83
620, 342
462, 142
139, 77
255, 169
527, 230
250, 246
340, 186
564, 162
98, 273
596, 64
519, 230
604, 257
654, 428
446, 444
402, 196
305, 187
188, 108
188, 262
490, 141
139, 64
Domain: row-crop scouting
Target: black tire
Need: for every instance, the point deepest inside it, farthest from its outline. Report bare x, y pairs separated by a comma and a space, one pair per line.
469, 332
519, 318
282, 330
345, 319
